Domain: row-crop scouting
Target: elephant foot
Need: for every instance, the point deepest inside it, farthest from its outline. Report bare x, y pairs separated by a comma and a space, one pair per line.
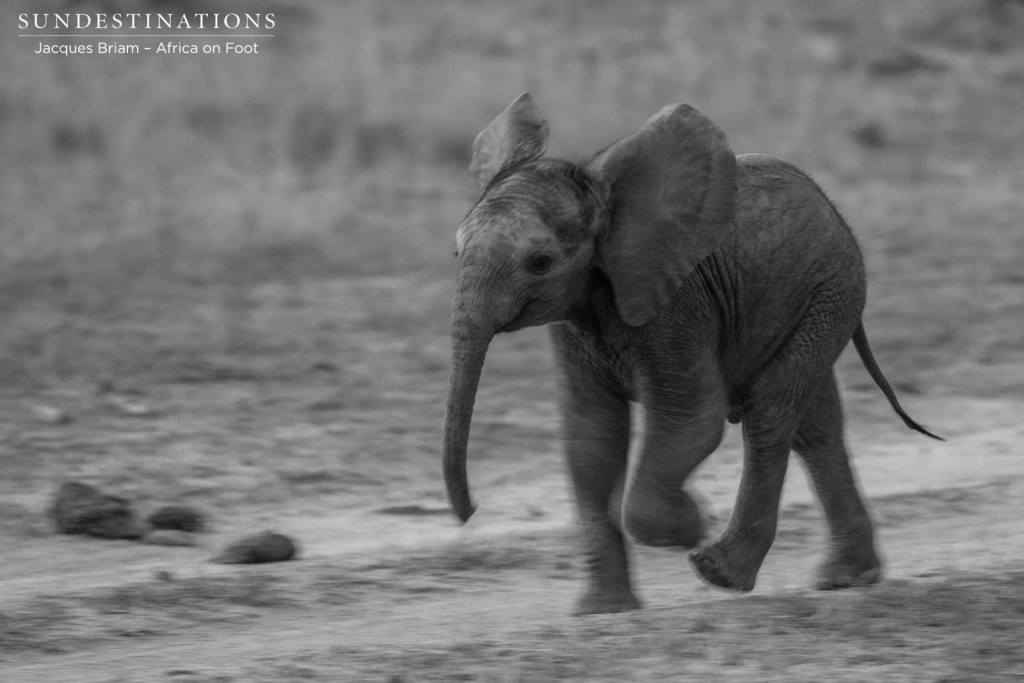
726, 566
849, 571
661, 521
596, 601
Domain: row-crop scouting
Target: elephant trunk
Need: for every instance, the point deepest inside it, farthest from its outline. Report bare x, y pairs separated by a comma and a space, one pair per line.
470, 340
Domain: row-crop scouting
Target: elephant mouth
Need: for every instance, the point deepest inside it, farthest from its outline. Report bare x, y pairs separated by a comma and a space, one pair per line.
516, 323
532, 313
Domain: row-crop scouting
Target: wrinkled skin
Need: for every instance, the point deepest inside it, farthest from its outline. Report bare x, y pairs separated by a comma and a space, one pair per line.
704, 286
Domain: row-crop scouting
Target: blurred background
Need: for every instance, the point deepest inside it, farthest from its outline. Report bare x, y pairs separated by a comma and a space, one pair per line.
259, 240
161, 182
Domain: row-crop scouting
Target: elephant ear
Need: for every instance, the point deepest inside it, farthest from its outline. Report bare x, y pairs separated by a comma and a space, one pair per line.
517, 135
672, 202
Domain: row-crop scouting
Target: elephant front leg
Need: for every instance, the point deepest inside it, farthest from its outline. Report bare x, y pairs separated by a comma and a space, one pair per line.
597, 447
681, 431
655, 510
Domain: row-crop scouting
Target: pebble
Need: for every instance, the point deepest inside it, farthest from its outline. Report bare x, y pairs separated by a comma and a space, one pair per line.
268, 546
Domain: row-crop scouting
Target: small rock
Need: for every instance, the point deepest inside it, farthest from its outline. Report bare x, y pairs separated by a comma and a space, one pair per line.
903, 61
170, 537
108, 385
413, 510
129, 407
267, 546
908, 387
51, 415
105, 385
871, 134
325, 366
177, 517
82, 509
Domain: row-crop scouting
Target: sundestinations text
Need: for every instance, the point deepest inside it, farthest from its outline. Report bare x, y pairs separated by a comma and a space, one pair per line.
145, 20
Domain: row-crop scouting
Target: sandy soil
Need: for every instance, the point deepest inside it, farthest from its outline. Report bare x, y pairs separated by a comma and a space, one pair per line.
393, 593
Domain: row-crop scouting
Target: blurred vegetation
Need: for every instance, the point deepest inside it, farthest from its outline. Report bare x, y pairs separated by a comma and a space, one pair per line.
134, 188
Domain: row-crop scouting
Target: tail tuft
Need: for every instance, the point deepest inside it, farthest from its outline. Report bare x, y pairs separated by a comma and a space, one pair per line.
860, 342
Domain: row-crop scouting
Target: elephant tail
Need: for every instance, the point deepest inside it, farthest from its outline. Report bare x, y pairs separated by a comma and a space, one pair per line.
860, 342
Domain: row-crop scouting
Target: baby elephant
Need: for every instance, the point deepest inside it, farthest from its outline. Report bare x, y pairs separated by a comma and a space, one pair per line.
705, 286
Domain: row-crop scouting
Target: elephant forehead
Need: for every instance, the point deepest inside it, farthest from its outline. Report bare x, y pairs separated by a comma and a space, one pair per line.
531, 204
513, 226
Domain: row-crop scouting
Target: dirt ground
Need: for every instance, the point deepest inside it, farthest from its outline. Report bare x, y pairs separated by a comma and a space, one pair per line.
395, 598
390, 588
227, 283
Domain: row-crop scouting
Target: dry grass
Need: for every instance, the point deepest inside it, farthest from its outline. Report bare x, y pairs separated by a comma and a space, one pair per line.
136, 191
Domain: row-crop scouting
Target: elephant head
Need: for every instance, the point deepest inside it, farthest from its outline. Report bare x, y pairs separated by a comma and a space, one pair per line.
644, 212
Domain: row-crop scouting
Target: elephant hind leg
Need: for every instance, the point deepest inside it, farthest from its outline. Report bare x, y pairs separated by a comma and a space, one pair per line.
852, 560
774, 409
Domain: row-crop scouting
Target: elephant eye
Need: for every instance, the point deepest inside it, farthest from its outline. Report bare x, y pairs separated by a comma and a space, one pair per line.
538, 264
